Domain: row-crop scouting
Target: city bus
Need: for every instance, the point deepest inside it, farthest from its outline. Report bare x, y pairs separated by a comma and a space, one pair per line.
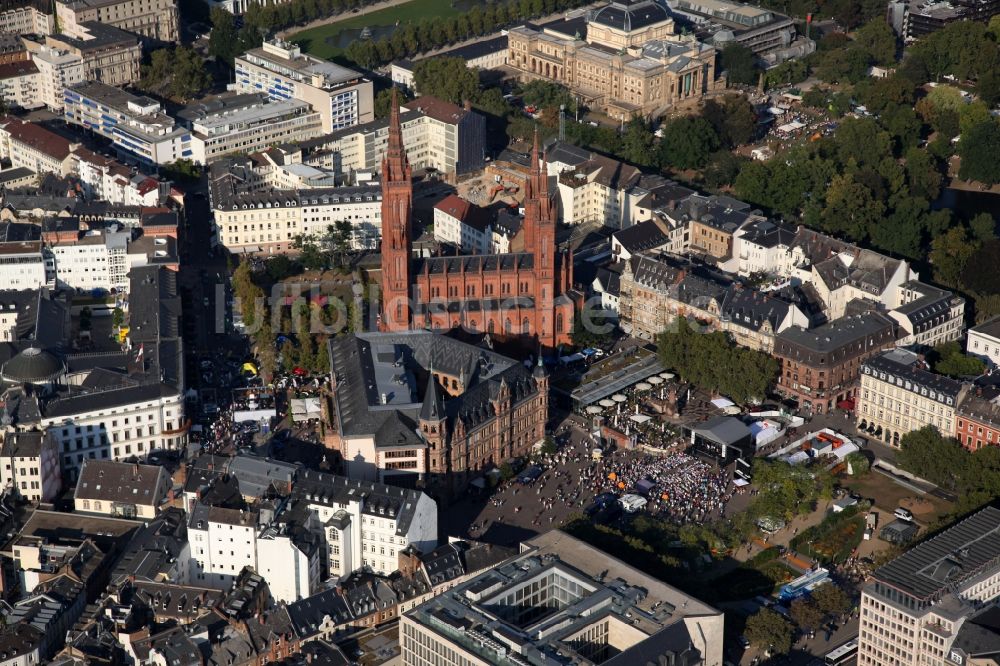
843, 654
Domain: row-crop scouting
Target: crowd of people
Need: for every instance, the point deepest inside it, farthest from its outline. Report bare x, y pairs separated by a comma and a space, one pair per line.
684, 489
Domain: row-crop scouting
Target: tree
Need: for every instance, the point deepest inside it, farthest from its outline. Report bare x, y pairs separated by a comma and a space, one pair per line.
722, 169
85, 319
117, 317
983, 227
768, 630
949, 360
849, 65
930, 455
223, 41
858, 463
950, 252
830, 599
383, 101
851, 207
978, 149
806, 614
446, 78
979, 274
548, 446
740, 62
732, 118
878, 41
687, 142
637, 143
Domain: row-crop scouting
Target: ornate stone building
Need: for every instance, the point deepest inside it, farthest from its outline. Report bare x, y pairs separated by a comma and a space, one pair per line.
521, 295
417, 408
625, 58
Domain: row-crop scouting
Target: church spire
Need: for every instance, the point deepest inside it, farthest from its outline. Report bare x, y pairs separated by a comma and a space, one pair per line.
432, 409
396, 162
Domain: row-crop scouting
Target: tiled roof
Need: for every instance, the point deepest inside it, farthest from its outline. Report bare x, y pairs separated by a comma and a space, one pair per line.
37, 137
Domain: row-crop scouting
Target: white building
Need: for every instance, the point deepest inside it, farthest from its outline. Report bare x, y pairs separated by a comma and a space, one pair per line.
107, 179
367, 524
127, 490
29, 465
137, 126
463, 224
984, 341
223, 542
19, 85
95, 260
24, 264
341, 96
57, 70
32, 146
249, 124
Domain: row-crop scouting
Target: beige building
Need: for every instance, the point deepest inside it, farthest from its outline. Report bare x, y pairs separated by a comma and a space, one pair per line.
341, 96
109, 55
154, 19
554, 598
126, 490
898, 395
27, 20
927, 606
29, 465
625, 58
19, 85
34, 147
58, 69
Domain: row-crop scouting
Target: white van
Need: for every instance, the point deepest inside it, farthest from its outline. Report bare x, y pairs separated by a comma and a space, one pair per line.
904, 514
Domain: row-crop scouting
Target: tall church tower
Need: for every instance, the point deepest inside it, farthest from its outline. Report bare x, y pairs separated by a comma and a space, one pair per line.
397, 211
540, 235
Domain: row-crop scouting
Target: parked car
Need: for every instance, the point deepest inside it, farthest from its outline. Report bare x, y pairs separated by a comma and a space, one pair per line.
904, 514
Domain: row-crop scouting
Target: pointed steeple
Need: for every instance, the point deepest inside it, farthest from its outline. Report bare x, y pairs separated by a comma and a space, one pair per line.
432, 409
395, 148
534, 155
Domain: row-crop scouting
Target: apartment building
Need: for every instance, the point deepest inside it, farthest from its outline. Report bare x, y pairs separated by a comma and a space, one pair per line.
137, 126
984, 341
57, 70
464, 225
436, 135
899, 395
121, 489
29, 465
921, 607
820, 367
341, 96
25, 263
246, 124
19, 85
252, 217
928, 316
366, 524
32, 146
156, 20
109, 55
93, 260
107, 179
29, 19
555, 596
977, 418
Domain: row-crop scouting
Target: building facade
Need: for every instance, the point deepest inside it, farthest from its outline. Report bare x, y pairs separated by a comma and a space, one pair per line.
29, 466
631, 60
33, 147
19, 85
820, 368
899, 395
977, 418
109, 55
342, 97
126, 490
27, 20
156, 20
57, 70
984, 341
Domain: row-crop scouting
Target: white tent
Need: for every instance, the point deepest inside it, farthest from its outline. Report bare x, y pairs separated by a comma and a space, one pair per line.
640, 418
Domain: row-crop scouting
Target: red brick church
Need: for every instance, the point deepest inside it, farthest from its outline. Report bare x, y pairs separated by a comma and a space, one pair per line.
517, 296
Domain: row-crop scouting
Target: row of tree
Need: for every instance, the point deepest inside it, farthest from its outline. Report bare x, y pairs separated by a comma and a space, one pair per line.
177, 72
713, 362
435, 33
769, 630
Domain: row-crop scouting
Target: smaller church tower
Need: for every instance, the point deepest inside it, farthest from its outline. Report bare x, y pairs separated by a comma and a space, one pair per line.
433, 427
397, 211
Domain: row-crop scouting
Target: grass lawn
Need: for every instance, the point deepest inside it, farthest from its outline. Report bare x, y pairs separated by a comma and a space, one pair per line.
314, 40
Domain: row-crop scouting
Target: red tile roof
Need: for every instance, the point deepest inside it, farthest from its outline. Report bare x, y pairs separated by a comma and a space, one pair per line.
37, 137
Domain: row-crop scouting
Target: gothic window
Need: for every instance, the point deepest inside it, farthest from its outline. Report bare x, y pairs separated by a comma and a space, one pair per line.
526, 326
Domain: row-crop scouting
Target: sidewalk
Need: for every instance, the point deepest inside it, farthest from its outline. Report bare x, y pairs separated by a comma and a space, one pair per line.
343, 16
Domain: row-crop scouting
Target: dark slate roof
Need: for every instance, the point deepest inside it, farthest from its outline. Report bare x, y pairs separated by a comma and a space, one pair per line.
122, 482
723, 429
474, 263
957, 554
475, 50
932, 308
768, 233
24, 444
640, 237
610, 281
432, 409
750, 308
840, 335
980, 634
307, 614
379, 499
631, 15
654, 272
904, 368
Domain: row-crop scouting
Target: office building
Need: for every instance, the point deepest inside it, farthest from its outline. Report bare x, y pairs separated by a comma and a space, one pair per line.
561, 600
922, 17
921, 607
156, 20
899, 395
109, 55
341, 96
436, 134
246, 124
137, 126
624, 58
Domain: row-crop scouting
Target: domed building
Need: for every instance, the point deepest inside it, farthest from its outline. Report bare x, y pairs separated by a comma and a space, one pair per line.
624, 58
33, 366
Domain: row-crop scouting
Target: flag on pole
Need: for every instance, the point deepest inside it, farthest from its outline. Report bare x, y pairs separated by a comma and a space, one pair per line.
138, 355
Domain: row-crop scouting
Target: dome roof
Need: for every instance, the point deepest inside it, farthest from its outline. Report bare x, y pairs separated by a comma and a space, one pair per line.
629, 15
32, 366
